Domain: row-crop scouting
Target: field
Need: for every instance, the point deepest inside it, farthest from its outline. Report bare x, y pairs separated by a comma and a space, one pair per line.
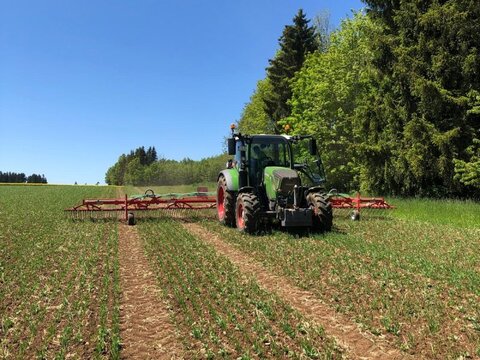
59, 281
406, 285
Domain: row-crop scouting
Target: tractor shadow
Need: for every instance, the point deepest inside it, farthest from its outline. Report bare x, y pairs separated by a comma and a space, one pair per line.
298, 233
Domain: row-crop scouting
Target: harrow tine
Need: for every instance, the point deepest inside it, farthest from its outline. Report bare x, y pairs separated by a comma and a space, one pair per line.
176, 206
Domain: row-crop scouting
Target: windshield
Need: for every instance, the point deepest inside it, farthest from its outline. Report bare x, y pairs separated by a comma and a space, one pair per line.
270, 151
266, 151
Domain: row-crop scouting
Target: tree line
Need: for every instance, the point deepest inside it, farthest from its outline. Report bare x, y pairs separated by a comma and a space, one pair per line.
141, 167
392, 96
12, 177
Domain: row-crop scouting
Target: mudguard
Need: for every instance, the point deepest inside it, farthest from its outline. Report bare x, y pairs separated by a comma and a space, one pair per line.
231, 176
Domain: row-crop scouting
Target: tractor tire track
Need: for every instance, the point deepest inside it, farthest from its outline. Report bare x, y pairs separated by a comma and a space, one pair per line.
358, 345
145, 328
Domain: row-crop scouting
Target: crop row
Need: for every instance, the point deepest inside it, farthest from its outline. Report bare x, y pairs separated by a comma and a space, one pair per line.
59, 279
219, 311
413, 282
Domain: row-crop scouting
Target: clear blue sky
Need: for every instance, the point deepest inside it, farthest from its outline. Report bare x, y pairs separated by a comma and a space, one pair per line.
82, 82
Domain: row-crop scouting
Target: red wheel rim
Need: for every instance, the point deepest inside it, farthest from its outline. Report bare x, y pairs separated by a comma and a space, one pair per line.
240, 221
220, 203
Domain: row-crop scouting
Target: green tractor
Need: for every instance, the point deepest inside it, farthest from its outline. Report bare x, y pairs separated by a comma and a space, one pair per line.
263, 185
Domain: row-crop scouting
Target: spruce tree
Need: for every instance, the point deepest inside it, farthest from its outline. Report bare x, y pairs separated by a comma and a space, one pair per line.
141, 154
424, 117
296, 42
151, 155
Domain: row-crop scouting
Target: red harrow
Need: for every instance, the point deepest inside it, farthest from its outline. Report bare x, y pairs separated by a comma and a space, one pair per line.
127, 207
201, 200
357, 203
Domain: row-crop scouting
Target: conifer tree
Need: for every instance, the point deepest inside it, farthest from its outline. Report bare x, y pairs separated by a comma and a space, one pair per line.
141, 155
425, 113
151, 155
296, 42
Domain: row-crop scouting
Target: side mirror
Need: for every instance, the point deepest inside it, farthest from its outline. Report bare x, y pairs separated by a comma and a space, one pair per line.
231, 146
312, 147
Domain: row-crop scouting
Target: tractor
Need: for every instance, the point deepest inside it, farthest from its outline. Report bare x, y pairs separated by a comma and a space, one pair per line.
273, 180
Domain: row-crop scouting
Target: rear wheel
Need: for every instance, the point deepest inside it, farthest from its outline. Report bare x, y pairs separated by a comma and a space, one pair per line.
225, 203
322, 209
247, 212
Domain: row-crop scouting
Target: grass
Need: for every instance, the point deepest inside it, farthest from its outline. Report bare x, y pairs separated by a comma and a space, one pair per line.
219, 311
55, 275
458, 213
412, 279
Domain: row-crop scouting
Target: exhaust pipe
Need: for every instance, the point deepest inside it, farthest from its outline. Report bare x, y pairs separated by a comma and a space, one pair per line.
296, 197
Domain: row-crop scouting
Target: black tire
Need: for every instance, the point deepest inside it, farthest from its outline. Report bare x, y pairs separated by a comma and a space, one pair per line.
355, 216
225, 203
131, 219
247, 213
322, 212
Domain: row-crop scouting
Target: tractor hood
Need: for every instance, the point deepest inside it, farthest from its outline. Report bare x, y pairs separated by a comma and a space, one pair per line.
279, 181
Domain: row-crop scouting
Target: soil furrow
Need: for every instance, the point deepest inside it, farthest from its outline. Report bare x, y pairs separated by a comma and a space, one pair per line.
358, 344
145, 328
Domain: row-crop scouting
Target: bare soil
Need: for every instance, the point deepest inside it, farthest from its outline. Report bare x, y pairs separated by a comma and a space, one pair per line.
358, 344
145, 327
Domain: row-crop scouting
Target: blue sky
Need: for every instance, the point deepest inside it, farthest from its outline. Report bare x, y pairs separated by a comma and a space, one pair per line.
82, 82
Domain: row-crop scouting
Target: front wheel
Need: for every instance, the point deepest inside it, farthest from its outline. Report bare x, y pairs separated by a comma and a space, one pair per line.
322, 212
247, 213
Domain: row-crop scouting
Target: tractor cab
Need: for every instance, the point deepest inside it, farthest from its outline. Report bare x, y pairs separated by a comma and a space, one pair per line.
257, 152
